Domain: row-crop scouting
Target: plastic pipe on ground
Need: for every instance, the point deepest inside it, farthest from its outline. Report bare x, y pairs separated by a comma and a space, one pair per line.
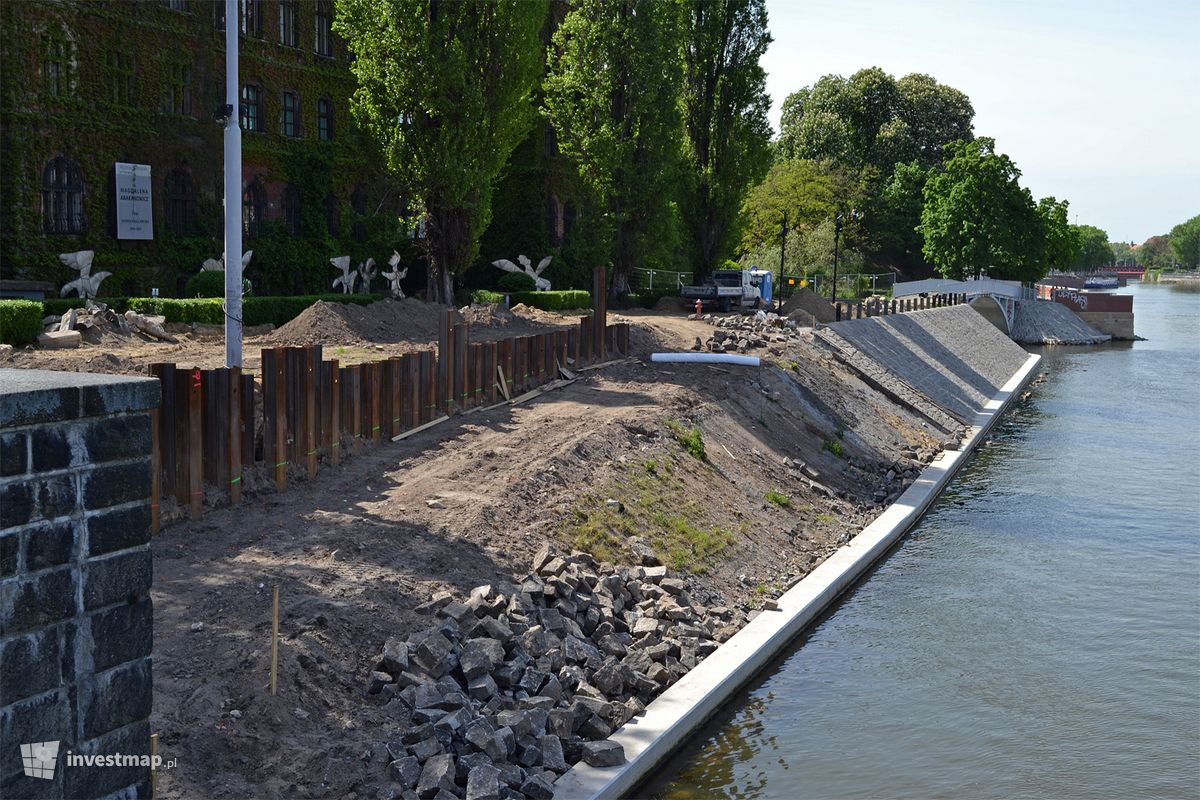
707, 358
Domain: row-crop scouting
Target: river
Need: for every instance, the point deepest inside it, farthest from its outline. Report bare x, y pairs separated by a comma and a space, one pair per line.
1037, 634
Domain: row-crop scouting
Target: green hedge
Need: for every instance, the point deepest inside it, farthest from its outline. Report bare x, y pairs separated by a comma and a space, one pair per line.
553, 301
255, 310
517, 282
20, 321
61, 305
482, 297
206, 284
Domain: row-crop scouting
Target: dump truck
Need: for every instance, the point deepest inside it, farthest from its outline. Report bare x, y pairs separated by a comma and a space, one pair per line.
727, 288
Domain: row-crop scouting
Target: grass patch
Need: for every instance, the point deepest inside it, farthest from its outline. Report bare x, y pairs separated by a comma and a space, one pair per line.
779, 498
832, 446
656, 509
691, 438
826, 518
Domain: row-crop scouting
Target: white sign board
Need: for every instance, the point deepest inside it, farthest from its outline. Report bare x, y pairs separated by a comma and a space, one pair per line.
135, 218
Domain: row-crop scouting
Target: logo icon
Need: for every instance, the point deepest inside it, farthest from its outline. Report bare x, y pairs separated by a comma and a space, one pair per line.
39, 759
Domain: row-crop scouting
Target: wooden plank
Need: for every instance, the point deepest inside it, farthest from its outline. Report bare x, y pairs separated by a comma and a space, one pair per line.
489, 372
269, 372
183, 438
249, 420
412, 390
218, 407
376, 396
207, 426
563, 346
506, 361
195, 444
585, 341
292, 359
426, 368
599, 310
461, 367
419, 428
572, 347
155, 470
356, 405
166, 420
234, 442
335, 413
280, 464
311, 363
445, 360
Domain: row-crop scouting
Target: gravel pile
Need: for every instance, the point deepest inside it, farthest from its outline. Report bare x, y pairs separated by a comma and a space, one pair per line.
515, 684
740, 334
1047, 322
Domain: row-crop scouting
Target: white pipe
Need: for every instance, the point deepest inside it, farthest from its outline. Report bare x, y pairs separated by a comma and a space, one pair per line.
233, 192
707, 358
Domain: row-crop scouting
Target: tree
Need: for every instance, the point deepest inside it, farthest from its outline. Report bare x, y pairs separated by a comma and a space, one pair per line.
612, 95
1185, 241
445, 87
808, 192
1122, 253
978, 218
1155, 252
1094, 250
894, 212
725, 105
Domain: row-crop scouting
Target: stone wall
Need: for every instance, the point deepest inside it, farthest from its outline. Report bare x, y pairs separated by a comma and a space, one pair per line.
75, 571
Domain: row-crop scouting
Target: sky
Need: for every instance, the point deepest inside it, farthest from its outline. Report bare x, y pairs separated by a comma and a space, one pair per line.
1097, 102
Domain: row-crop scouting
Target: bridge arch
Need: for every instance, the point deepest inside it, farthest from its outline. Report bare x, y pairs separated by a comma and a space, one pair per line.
994, 310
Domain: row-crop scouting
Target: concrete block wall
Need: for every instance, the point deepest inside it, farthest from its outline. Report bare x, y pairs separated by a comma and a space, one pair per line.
75, 571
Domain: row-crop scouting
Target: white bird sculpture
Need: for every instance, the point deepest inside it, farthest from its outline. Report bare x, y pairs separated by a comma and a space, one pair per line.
218, 264
80, 261
539, 282
395, 276
366, 273
86, 286
348, 277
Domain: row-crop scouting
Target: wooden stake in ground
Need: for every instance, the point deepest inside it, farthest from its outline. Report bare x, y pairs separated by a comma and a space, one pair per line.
153, 770
275, 641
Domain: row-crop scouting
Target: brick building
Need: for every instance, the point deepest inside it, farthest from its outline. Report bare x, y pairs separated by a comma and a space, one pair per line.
87, 85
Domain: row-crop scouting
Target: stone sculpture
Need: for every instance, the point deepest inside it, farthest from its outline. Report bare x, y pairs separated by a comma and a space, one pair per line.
395, 276
366, 273
218, 264
539, 282
86, 285
348, 277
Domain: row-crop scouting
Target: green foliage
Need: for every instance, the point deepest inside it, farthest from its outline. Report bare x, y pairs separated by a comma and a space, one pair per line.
1122, 253
691, 438
779, 499
725, 105
1185, 241
481, 297
553, 301
612, 94
255, 310
206, 284
517, 282
447, 92
807, 191
1094, 250
833, 446
61, 305
978, 217
1155, 252
20, 321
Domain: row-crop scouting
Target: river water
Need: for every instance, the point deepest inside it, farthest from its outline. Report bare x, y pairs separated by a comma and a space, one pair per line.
1038, 633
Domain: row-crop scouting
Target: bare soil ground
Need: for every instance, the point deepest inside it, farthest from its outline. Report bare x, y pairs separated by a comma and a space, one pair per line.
358, 548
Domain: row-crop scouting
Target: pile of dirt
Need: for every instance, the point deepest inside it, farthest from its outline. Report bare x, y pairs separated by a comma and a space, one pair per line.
387, 321
671, 304
815, 307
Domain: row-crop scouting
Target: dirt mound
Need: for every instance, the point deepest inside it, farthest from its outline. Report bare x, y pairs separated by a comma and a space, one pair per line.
807, 300
671, 304
343, 323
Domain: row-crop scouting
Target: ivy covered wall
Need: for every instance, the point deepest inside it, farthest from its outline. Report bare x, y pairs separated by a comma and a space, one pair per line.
120, 81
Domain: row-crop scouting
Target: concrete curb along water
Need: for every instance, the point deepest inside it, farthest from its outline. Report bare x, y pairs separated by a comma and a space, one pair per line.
685, 706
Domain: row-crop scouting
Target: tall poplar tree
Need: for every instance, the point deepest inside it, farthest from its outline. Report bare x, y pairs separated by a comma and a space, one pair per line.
612, 95
725, 117
446, 87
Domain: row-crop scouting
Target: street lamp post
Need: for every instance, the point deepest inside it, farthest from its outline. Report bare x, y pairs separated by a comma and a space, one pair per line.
783, 232
837, 235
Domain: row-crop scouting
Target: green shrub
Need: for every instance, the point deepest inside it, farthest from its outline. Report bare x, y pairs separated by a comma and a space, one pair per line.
20, 321
61, 305
255, 310
779, 498
517, 282
648, 298
206, 284
691, 438
481, 297
553, 301
834, 447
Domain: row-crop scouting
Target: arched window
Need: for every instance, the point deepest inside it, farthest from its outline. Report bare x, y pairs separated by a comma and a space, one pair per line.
254, 209
323, 37
62, 196
291, 210
332, 218
181, 203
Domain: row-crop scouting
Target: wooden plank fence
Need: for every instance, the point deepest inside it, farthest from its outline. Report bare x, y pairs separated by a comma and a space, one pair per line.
217, 427
879, 308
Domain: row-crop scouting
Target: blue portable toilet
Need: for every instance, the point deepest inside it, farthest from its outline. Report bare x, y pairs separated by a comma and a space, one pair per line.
762, 279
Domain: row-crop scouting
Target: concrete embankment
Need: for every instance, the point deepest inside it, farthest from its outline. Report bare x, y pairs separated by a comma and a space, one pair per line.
1046, 322
951, 363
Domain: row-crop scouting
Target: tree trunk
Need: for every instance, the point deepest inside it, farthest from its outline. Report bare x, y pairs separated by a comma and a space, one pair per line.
447, 245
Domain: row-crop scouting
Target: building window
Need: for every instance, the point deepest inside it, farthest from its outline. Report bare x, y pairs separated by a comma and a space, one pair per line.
252, 18
55, 65
251, 110
120, 78
287, 24
177, 95
62, 196
325, 119
332, 218
323, 43
254, 209
291, 210
177, 5
181, 203
358, 204
289, 115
